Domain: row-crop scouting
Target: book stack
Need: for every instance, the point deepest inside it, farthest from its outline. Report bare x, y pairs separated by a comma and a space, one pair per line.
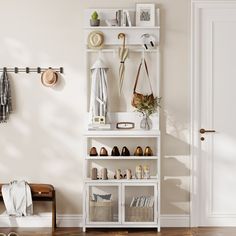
142, 201
123, 18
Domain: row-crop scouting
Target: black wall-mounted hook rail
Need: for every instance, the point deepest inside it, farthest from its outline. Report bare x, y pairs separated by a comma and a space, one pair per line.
30, 69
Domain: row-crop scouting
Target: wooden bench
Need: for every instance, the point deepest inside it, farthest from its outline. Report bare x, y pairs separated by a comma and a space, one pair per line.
42, 192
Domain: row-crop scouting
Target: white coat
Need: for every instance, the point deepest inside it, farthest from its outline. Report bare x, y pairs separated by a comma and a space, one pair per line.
98, 97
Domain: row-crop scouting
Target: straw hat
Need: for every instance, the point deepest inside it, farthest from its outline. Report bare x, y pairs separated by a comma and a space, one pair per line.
96, 39
49, 78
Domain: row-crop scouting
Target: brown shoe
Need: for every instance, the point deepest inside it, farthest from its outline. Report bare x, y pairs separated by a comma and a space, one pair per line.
138, 151
103, 152
93, 152
125, 151
148, 151
115, 151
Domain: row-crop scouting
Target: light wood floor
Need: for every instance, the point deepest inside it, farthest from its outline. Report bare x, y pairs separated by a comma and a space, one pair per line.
120, 232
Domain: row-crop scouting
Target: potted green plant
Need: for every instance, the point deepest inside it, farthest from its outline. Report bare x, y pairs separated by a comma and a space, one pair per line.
147, 106
94, 21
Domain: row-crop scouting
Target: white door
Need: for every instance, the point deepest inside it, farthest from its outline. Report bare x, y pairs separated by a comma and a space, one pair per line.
214, 69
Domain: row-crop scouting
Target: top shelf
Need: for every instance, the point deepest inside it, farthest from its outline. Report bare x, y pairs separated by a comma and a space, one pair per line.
133, 33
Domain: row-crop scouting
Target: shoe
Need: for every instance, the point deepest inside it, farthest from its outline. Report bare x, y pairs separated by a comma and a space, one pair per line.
138, 151
103, 152
125, 151
115, 151
148, 151
93, 152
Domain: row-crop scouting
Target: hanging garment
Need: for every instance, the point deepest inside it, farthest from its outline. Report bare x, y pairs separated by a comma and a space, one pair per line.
17, 198
98, 98
5, 98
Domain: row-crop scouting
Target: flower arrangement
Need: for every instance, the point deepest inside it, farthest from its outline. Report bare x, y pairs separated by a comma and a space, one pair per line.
148, 105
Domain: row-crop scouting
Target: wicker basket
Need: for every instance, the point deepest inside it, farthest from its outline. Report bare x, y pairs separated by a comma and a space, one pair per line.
139, 214
101, 211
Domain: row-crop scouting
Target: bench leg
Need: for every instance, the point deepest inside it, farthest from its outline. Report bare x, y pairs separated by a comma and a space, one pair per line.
54, 211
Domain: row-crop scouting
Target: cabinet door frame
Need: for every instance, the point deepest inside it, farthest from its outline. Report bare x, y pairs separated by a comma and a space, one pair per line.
118, 185
155, 188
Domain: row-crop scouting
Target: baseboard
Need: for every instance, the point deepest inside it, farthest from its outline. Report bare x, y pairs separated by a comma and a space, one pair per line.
45, 220
175, 220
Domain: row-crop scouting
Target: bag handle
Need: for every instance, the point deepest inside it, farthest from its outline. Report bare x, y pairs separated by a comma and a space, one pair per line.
137, 77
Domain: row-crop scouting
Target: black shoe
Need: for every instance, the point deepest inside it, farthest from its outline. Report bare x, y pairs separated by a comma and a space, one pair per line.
125, 151
115, 151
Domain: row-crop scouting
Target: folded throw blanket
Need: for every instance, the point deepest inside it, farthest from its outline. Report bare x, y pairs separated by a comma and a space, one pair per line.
5, 98
17, 198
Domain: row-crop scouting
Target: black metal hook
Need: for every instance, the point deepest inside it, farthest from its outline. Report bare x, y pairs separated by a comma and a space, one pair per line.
16, 70
27, 70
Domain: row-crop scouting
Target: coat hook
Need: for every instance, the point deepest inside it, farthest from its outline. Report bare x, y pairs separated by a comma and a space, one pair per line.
4, 69
16, 70
27, 70
38, 70
61, 70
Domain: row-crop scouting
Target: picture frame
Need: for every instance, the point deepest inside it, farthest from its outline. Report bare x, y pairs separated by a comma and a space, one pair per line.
145, 14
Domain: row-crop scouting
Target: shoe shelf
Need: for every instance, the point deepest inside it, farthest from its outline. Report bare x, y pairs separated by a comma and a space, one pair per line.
123, 133
112, 181
120, 27
136, 158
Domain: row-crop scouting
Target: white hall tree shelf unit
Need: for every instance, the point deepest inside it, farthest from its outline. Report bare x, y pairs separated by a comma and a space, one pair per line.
117, 212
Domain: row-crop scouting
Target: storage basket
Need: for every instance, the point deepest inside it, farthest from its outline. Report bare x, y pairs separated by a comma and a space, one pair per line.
139, 214
101, 211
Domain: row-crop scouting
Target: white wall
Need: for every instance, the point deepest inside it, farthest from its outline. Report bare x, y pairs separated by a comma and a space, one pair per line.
42, 142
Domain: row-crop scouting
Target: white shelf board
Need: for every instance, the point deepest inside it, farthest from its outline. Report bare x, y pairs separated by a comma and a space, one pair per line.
123, 133
122, 158
112, 181
120, 27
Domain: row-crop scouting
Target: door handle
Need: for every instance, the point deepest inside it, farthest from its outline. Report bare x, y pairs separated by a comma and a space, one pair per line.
203, 131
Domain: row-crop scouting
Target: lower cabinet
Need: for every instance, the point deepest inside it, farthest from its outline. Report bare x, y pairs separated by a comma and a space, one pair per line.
122, 204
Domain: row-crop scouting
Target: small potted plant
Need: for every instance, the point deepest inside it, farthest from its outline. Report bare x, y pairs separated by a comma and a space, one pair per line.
94, 21
147, 106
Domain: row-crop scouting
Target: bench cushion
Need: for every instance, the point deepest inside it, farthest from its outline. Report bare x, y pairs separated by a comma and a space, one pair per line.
38, 190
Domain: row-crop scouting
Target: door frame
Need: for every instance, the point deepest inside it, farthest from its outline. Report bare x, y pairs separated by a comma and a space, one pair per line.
196, 7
